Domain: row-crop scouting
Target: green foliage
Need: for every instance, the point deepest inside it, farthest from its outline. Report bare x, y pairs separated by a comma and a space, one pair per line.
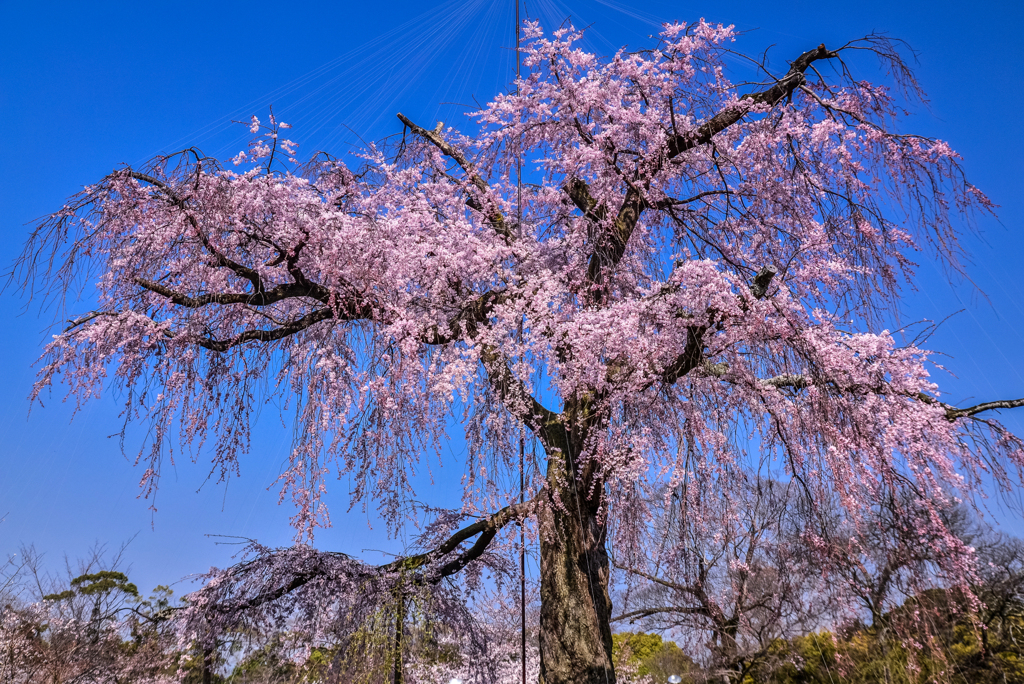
158, 601
266, 666
648, 654
191, 668
953, 650
426, 648
97, 584
930, 639
104, 581
274, 664
633, 648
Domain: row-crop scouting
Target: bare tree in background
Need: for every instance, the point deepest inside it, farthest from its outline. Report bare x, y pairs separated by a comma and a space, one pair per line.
729, 586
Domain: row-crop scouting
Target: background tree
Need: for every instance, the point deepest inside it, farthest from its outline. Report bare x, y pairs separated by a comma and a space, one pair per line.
730, 580
677, 281
877, 566
922, 627
1001, 591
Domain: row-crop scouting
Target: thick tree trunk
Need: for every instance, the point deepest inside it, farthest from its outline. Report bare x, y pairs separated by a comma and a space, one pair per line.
575, 632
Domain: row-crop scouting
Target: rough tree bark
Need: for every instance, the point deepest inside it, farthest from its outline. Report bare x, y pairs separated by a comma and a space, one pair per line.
576, 609
575, 628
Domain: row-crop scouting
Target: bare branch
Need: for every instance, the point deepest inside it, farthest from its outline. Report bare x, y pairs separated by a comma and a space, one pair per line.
486, 528
413, 570
952, 413
81, 320
673, 202
795, 381
647, 612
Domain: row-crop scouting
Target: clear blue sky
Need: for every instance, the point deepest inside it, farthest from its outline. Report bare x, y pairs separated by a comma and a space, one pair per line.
86, 86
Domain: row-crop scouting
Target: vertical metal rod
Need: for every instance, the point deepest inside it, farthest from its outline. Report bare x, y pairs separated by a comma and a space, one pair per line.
399, 669
522, 568
522, 446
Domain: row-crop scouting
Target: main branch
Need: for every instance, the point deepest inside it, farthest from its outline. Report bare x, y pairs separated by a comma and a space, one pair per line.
492, 212
610, 247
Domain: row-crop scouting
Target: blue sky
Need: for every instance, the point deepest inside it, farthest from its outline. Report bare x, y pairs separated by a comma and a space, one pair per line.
85, 87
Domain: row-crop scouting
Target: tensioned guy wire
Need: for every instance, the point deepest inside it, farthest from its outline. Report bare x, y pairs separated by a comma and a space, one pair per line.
419, 37
351, 94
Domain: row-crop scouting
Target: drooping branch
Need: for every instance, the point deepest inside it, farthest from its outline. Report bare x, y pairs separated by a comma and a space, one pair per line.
512, 392
423, 569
